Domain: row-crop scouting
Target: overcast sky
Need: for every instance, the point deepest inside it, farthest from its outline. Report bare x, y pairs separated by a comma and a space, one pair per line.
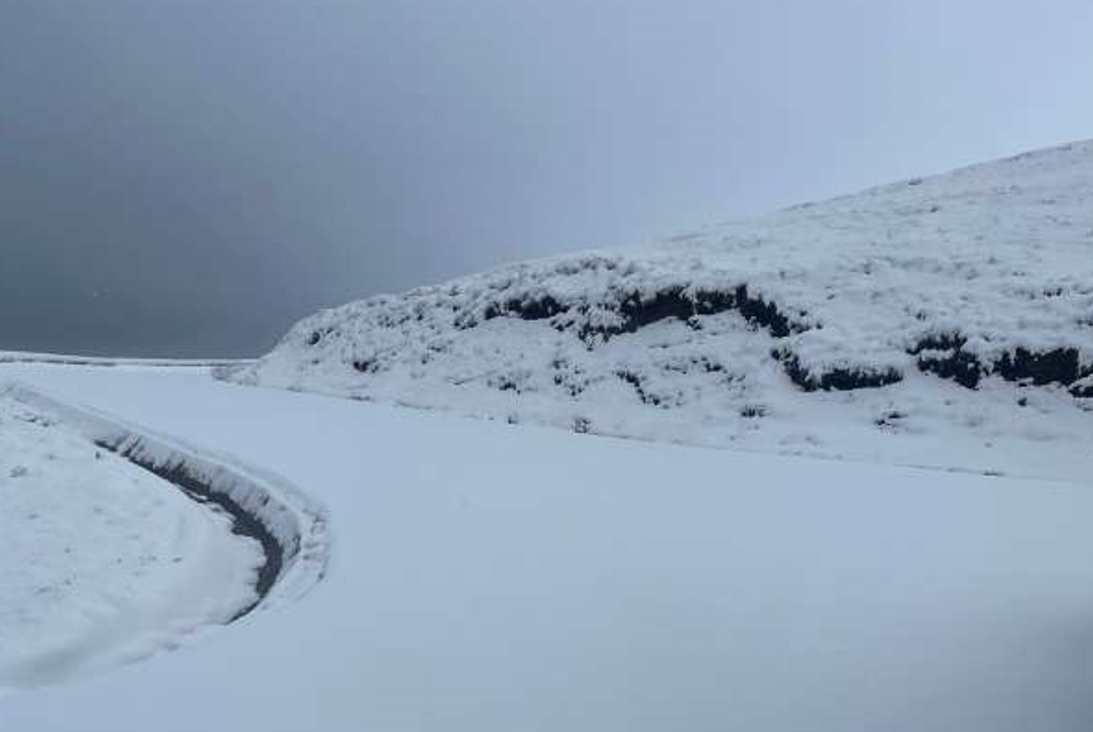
190, 177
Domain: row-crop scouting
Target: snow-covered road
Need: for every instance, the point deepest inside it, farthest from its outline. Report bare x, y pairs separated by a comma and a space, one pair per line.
490, 577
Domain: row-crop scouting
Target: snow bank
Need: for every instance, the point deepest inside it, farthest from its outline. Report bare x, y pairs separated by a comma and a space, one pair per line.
103, 563
754, 334
297, 523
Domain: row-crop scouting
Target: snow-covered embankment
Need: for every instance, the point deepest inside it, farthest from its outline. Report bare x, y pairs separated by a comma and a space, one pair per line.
258, 542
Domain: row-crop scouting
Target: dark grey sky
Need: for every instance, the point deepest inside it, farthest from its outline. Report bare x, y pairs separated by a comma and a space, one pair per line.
189, 177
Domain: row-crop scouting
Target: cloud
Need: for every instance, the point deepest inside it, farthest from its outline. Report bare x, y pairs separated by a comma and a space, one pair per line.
214, 170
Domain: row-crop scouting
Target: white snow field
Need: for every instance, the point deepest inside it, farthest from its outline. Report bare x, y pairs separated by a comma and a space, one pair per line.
101, 562
944, 321
490, 577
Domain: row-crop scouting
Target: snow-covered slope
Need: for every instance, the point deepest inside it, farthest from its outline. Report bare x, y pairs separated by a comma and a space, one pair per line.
943, 321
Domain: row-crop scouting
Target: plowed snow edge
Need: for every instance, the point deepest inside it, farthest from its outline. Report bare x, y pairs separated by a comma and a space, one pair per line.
291, 527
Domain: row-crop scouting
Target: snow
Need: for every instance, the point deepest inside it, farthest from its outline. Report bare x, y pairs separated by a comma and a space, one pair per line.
898, 539
103, 563
76, 360
492, 577
295, 523
986, 270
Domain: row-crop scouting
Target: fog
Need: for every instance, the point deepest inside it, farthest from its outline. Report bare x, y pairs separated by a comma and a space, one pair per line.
190, 178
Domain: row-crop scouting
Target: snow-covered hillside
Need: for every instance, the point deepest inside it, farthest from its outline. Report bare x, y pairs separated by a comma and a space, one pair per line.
953, 311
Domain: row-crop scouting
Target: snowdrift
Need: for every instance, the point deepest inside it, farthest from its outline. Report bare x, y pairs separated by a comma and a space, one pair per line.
958, 306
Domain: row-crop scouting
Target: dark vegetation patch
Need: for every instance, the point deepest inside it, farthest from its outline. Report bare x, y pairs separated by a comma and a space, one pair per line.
508, 382
569, 377
891, 419
365, 365
531, 309
839, 378
1062, 366
945, 355
702, 364
961, 367
636, 381
636, 312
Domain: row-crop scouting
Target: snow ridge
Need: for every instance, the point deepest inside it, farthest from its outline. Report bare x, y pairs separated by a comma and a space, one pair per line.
297, 523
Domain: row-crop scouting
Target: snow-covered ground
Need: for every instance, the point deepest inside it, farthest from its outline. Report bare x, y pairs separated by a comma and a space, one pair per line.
484, 576
491, 577
102, 562
944, 321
